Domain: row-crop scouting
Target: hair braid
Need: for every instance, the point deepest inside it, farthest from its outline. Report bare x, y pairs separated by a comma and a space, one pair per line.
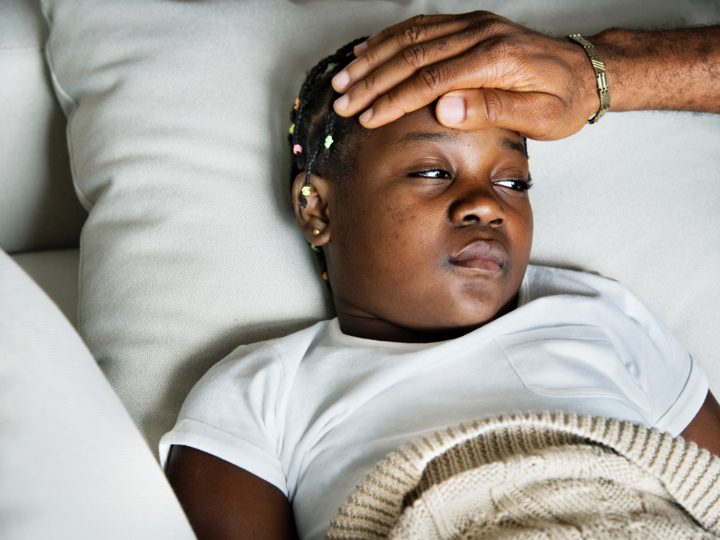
310, 130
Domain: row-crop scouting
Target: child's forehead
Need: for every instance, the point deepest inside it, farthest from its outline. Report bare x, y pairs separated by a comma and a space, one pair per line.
422, 126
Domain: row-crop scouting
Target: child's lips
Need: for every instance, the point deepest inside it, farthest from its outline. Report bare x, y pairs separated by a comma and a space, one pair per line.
486, 255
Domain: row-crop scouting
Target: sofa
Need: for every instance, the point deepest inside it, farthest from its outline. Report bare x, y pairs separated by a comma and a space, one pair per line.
146, 229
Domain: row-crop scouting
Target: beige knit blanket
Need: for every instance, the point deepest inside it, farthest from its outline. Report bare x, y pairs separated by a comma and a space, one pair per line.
530, 476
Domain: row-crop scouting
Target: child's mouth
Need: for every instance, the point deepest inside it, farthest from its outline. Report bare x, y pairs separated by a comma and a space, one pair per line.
484, 255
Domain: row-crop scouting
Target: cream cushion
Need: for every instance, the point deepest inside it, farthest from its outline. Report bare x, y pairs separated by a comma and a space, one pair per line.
38, 206
73, 463
56, 272
177, 133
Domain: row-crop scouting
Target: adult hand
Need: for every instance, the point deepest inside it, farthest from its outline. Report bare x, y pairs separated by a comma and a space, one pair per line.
489, 71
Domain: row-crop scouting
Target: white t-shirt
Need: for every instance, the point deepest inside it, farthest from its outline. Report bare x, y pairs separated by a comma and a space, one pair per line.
313, 412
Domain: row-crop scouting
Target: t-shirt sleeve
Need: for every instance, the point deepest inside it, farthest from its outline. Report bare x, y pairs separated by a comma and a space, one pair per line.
675, 384
687, 404
232, 413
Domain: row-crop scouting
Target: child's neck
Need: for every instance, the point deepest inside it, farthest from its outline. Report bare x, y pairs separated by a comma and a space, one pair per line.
354, 322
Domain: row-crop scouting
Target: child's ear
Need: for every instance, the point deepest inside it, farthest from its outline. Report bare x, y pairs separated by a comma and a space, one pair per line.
314, 218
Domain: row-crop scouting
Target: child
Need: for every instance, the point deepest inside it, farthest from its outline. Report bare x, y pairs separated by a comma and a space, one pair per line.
426, 235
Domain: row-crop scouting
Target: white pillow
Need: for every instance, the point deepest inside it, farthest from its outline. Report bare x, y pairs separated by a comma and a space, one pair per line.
38, 206
72, 463
56, 272
178, 118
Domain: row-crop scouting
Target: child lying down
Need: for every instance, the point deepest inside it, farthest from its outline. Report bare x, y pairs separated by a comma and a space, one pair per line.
426, 233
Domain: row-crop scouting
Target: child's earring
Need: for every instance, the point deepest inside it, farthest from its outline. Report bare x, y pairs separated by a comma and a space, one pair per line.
316, 232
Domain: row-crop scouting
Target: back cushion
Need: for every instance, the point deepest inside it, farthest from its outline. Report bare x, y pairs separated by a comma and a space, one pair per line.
178, 118
38, 207
73, 464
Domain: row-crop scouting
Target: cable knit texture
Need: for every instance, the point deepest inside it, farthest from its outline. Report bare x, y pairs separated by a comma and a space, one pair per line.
538, 476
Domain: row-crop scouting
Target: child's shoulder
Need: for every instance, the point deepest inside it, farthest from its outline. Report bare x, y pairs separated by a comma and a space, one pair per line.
294, 344
278, 355
543, 281
571, 294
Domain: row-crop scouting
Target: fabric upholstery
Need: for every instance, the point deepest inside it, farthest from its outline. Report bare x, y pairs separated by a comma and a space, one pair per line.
177, 133
56, 273
38, 206
73, 464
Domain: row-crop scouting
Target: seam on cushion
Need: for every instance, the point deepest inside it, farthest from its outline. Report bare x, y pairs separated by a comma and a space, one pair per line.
56, 83
64, 97
81, 196
45, 13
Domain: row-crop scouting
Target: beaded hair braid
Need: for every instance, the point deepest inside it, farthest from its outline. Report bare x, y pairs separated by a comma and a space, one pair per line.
316, 128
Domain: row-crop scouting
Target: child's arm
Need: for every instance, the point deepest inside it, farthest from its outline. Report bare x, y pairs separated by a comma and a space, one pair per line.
225, 501
505, 75
704, 430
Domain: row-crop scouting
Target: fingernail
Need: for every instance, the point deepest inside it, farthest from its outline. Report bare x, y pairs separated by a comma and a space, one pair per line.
341, 80
361, 48
451, 110
341, 103
364, 117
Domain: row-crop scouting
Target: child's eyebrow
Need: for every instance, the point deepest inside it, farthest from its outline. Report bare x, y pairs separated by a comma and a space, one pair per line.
410, 138
510, 144
407, 140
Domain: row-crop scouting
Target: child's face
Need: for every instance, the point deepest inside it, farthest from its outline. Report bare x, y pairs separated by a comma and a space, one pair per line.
429, 235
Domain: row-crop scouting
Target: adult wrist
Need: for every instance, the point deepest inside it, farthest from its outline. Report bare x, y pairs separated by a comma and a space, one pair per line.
598, 67
611, 46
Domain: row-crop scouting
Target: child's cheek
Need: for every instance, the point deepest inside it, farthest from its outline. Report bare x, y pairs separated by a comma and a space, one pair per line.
401, 221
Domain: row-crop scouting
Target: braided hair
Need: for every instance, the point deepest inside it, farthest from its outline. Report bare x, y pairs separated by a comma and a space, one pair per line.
317, 132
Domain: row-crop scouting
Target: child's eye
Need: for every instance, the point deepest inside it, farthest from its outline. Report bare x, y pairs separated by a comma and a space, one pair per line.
517, 185
433, 173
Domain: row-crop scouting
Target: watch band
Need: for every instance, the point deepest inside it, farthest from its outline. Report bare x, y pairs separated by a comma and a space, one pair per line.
599, 68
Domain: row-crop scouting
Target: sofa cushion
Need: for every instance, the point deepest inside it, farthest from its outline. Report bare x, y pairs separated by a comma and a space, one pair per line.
178, 117
73, 463
38, 206
56, 272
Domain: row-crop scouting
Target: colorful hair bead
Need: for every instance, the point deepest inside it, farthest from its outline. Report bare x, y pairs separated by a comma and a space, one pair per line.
315, 248
297, 103
328, 141
292, 129
305, 191
297, 149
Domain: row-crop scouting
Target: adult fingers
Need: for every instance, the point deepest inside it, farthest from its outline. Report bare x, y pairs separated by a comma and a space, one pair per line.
535, 115
432, 81
408, 39
399, 68
390, 31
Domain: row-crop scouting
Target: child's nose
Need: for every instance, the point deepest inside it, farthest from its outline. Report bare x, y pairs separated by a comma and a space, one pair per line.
478, 206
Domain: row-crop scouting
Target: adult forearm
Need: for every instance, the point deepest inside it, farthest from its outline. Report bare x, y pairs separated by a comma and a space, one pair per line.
662, 70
